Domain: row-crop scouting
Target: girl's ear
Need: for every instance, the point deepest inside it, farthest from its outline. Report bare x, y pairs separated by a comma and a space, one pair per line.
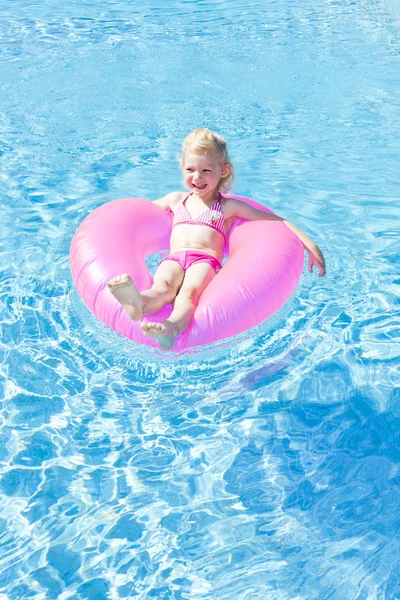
225, 171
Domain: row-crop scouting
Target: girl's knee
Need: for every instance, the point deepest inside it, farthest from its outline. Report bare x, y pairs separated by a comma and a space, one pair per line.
164, 289
189, 294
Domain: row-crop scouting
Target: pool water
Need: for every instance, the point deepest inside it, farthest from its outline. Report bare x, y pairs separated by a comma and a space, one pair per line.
266, 467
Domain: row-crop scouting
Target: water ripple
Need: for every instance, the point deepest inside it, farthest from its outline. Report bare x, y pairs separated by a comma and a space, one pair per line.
262, 467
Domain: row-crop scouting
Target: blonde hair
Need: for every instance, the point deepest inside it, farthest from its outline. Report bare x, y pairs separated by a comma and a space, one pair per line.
203, 140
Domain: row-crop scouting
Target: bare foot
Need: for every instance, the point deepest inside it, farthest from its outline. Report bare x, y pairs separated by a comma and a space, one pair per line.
124, 290
163, 332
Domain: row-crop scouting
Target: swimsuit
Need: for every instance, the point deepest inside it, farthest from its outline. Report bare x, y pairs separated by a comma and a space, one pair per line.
186, 258
212, 217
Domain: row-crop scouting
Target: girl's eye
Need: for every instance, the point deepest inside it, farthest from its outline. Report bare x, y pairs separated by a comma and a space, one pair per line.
207, 171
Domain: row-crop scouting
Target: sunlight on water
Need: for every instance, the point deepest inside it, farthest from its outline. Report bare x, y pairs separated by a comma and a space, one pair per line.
262, 467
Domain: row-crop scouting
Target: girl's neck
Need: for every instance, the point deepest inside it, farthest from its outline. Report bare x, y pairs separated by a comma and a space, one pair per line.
209, 199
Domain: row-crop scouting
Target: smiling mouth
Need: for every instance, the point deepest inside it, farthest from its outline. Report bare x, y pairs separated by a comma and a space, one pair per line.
200, 187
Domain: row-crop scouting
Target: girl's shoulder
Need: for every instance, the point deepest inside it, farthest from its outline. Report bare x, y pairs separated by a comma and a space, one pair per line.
229, 206
171, 200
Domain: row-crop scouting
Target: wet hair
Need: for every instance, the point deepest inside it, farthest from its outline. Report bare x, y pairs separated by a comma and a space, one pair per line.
203, 140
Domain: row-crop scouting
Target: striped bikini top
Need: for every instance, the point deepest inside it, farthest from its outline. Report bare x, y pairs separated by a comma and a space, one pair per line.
212, 217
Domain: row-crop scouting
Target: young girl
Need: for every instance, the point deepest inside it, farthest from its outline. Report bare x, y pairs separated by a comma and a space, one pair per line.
202, 220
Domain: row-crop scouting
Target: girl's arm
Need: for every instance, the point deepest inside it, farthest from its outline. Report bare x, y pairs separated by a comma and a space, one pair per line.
241, 210
315, 256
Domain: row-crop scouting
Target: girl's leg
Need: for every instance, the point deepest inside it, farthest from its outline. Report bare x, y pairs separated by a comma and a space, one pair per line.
167, 281
197, 277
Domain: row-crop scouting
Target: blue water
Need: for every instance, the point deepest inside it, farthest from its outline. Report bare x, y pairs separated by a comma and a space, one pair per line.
267, 467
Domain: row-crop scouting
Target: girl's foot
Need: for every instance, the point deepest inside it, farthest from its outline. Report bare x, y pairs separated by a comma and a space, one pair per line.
163, 332
125, 291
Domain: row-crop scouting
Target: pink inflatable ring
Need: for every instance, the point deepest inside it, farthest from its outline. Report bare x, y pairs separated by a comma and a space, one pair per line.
264, 267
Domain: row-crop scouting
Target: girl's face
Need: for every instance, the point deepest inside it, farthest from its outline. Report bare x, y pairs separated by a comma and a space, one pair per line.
202, 173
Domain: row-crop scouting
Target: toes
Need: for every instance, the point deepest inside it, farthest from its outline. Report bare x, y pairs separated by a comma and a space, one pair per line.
123, 279
113, 281
145, 325
152, 326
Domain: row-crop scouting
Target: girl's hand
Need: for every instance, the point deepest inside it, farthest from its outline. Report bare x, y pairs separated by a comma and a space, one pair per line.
317, 260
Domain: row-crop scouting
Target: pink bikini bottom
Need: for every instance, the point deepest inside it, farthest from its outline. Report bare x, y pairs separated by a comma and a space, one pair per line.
188, 258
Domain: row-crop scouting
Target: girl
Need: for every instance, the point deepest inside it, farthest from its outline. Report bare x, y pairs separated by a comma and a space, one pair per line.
202, 220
